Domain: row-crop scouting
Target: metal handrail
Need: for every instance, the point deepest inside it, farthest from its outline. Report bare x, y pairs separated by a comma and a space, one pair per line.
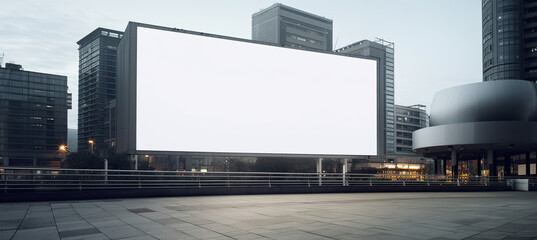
31, 179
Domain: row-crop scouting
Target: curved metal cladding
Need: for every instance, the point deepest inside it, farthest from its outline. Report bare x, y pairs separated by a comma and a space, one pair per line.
500, 100
484, 115
477, 135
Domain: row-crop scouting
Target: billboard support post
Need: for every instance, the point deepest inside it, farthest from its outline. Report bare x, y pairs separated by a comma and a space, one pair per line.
344, 172
320, 170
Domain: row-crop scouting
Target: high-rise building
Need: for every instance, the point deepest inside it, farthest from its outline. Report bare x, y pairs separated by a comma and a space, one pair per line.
407, 120
291, 27
509, 39
383, 51
96, 86
33, 117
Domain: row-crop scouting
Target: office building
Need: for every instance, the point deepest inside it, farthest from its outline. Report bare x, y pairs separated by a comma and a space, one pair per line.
96, 86
383, 51
33, 117
291, 27
407, 120
509, 39
110, 125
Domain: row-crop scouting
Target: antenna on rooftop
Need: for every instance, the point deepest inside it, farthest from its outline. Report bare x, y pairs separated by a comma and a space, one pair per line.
2, 59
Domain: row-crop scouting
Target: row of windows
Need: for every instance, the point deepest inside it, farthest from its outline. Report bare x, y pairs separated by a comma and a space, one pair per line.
306, 30
304, 39
404, 149
26, 85
407, 127
43, 79
33, 92
404, 134
411, 120
404, 142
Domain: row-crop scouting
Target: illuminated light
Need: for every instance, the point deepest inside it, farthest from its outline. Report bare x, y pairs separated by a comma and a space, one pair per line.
414, 167
146, 156
63, 148
90, 141
403, 166
203, 170
390, 165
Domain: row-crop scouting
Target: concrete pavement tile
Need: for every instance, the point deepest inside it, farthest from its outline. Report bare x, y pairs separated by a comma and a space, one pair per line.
145, 237
9, 224
203, 233
79, 232
171, 235
46, 233
121, 232
95, 236
6, 234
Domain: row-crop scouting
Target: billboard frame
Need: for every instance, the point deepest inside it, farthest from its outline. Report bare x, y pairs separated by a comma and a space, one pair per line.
126, 98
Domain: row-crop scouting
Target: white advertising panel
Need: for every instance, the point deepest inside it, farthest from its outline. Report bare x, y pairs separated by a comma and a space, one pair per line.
215, 95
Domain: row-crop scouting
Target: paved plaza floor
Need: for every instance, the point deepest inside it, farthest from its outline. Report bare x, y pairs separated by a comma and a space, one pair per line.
459, 215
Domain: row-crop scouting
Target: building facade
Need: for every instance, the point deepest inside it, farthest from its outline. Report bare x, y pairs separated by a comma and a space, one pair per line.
291, 27
509, 39
33, 117
383, 51
482, 133
96, 86
407, 120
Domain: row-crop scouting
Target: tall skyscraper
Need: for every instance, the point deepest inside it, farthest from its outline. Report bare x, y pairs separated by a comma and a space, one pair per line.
292, 27
96, 86
509, 39
33, 117
383, 51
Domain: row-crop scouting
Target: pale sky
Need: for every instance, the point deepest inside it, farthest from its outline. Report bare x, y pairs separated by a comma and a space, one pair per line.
437, 42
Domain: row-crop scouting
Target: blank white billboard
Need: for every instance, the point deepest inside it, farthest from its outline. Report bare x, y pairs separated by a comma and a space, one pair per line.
215, 95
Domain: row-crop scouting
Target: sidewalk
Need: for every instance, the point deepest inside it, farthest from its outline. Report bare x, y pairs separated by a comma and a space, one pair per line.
469, 215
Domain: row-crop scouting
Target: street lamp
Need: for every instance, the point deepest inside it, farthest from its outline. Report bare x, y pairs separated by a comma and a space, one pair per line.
62, 149
91, 142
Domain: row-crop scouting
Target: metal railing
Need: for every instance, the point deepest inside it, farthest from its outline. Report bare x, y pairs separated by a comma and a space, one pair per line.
31, 179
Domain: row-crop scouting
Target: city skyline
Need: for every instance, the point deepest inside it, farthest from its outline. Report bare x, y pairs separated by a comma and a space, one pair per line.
438, 43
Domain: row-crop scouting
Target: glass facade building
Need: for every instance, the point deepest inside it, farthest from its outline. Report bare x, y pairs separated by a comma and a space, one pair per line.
384, 52
291, 27
96, 86
33, 117
407, 120
509, 39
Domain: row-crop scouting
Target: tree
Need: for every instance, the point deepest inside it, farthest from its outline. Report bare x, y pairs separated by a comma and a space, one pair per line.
144, 165
83, 160
118, 161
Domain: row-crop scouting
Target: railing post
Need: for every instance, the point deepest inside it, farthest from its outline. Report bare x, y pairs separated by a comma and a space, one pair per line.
228, 185
105, 171
320, 170
199, 182
5, 180
269, 180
